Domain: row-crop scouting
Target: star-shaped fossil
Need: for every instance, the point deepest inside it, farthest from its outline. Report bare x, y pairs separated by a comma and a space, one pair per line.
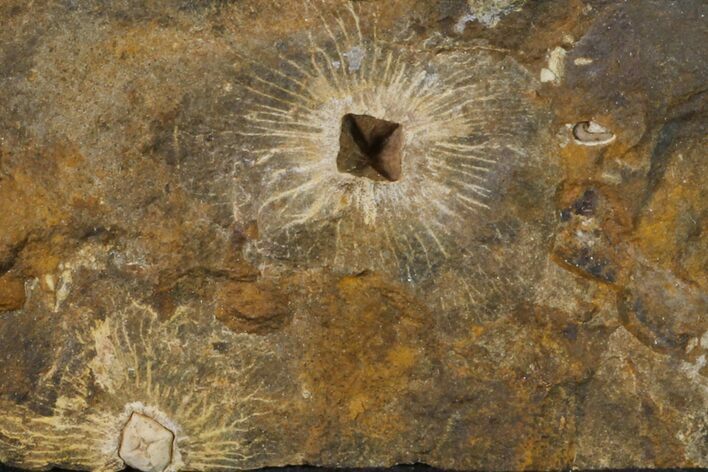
146, 445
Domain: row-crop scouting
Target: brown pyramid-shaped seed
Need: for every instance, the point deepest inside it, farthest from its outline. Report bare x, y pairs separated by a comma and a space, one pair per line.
370, 147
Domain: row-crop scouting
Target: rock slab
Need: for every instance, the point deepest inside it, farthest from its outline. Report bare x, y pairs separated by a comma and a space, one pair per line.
465, 233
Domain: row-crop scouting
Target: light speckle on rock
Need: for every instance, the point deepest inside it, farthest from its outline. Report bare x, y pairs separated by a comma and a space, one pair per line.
556, 66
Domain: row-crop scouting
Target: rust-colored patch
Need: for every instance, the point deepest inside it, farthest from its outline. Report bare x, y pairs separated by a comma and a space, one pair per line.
252, 307
367, 348
676, 214
12, 293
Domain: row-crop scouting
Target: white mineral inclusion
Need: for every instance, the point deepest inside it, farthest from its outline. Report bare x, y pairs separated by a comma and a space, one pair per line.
146, 445
556, 67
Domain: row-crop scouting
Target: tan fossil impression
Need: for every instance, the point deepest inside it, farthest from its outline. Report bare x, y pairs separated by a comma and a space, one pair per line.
146, 445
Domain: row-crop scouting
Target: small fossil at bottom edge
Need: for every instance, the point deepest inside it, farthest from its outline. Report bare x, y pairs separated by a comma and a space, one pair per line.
146, 445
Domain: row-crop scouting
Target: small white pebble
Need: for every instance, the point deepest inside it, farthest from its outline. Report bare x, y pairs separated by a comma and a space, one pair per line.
582, 61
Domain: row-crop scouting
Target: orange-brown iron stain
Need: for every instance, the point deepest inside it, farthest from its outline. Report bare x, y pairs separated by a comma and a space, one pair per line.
362, 359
